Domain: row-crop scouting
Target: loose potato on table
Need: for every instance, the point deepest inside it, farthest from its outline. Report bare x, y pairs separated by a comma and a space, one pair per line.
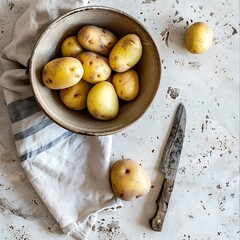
198, 38
96, 67
62, 73
126, 53
129, 180
96, 39
71, 47
126, 84
75, 97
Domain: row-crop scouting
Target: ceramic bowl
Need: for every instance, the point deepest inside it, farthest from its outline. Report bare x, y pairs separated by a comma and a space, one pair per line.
48, 47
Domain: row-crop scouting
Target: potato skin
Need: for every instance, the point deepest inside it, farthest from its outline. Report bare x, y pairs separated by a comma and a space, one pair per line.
126, 53
198, 38
62, 73
96, 39
71, 47
129, 180
126, 84
75, 97
96, 67
102, 101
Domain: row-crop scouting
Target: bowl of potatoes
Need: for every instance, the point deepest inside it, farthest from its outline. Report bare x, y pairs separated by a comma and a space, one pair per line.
95, 70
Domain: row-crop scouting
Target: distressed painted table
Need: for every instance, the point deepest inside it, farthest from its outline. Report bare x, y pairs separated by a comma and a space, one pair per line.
205, 201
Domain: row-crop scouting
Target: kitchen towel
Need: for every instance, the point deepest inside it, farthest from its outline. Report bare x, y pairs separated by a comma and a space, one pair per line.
70, 172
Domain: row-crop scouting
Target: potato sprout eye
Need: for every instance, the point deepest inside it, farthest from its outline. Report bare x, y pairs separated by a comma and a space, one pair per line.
49, 80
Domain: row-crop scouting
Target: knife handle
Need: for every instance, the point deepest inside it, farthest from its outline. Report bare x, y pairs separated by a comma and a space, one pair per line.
156, 222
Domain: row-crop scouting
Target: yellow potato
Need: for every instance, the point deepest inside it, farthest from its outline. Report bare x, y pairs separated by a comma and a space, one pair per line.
129, 180
75, 97
96, 67
126, 84
62, 73
96, 39
102, 101
71, 47
126, 53
198, 38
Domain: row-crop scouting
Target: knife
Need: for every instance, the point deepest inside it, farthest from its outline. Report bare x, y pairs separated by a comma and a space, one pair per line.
169, 165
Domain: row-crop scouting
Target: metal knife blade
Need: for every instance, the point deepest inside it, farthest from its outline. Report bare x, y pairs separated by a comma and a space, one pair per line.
172, 151
169, 165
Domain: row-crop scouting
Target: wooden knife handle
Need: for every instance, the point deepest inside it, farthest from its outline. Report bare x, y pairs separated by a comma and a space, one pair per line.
156, 222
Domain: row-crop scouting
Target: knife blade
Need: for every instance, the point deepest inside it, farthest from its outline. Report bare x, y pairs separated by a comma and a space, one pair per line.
169, 165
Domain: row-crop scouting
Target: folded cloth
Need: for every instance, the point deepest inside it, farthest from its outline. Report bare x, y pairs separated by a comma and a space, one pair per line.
70, 172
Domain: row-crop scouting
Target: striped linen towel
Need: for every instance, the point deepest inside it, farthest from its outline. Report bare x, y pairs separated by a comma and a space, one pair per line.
68, 171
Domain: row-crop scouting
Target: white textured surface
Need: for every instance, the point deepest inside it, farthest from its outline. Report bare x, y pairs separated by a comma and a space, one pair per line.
205, 201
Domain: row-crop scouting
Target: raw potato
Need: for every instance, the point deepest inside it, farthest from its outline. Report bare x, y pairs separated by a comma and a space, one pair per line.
102, 101
126, 53
96, 39
198, 38
126, 84
62, 73
71, 47
129, 180
96, 67
75, 97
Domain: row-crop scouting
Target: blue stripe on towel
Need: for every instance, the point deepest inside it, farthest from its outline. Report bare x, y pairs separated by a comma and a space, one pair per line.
46, 147
30, 131
22, 109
